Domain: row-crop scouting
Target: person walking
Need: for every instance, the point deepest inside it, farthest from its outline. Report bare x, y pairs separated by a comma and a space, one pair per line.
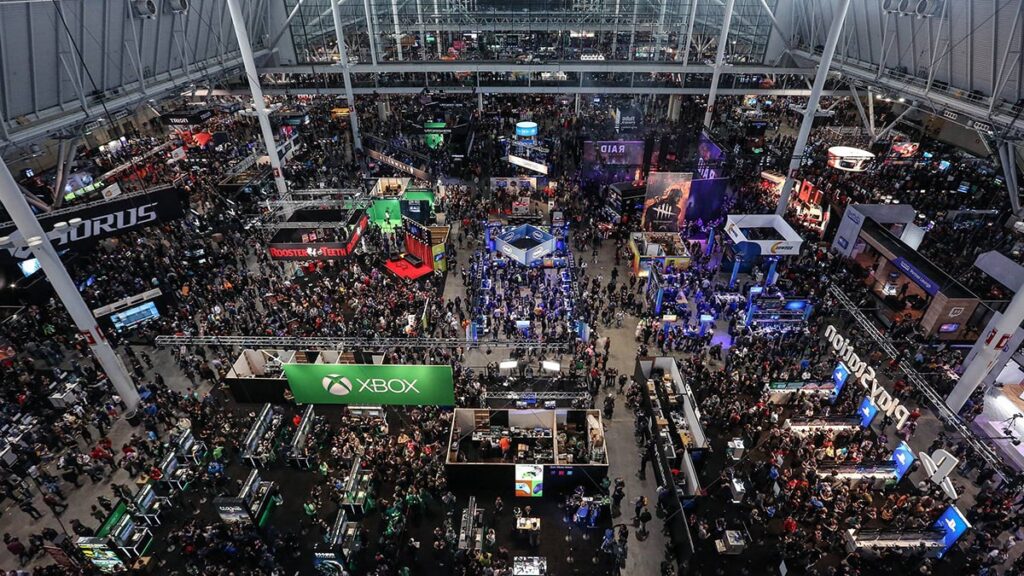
648, 456
638, 505
28, 508
645, 517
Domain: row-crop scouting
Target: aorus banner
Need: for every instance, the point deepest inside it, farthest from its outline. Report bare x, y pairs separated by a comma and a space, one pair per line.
102, 219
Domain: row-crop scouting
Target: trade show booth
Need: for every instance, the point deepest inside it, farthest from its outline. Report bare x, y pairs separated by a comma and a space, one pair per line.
679, 440
904, 283
667, 249
525, 244
256, 375
530, 448
318, 235
755, 238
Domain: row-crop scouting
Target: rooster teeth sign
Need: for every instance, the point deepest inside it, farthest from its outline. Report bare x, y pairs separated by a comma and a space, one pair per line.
865, 374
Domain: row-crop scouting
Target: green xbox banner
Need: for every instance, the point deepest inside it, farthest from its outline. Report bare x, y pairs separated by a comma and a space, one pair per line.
370, 384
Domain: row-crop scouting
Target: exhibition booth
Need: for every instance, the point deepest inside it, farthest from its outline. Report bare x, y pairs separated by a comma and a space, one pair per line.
680, 442
388, 211
667, 249
256, 375
755, 238
675, 422
424, 251
525, 244
904, 283
531, 450
310, 235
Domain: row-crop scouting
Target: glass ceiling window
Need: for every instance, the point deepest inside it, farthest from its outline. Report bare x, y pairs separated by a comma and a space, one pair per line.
528, 30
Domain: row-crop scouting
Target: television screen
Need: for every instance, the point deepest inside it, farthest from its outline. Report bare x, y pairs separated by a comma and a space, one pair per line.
29, 267
133, 316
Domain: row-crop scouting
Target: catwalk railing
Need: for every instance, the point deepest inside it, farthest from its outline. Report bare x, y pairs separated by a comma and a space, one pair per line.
299, 342
944, 413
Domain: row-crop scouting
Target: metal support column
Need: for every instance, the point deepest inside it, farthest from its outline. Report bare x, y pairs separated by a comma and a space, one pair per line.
480, 101
1007, 158
812, 102
689, 32
661, 30
723, 41
423, 30
437, 37
38, 242
615, 32
1007, 324
238, 21
370, 33
398, 29
353, 115
632, 33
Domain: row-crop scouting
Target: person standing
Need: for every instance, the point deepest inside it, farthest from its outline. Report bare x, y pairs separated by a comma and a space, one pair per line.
498, 506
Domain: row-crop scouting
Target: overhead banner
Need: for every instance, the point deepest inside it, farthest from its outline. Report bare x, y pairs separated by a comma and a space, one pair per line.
102, 219
665, 203
528, 164
400, 166
371, 384
616, 153
186, 117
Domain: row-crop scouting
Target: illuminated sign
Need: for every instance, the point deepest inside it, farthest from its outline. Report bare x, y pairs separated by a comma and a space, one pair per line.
867, 412
885, 401
903, 459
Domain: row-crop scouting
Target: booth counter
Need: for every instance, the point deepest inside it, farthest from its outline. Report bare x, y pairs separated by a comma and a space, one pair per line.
301, 453
675, 421
253, 504
259, 446
337, 552
664, 248
118, 542
357, 492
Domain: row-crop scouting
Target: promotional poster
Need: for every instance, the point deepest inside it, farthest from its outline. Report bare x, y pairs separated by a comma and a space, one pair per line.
665, 203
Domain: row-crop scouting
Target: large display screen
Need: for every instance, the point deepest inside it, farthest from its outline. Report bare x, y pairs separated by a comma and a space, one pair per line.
371, 384
903, 459
839, 377
29, 267
529, 480
134, 316
953, 525
666, 201
867, 412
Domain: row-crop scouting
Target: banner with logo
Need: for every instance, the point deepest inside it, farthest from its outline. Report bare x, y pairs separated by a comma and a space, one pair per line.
397, 165
102, 219
952, 524
665, 203
186, 117
371, 384
618, 153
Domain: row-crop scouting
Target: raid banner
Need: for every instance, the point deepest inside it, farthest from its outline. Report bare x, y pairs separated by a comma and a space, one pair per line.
620, 152
665, 203
103, 219
371, 384
397, 165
